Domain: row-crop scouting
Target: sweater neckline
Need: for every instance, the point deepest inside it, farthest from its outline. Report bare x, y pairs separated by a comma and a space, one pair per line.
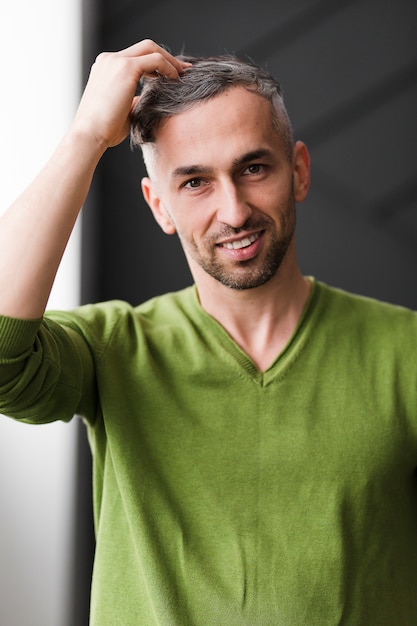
228, 348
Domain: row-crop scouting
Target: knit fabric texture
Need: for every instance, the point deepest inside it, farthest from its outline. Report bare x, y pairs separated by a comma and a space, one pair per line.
226, 495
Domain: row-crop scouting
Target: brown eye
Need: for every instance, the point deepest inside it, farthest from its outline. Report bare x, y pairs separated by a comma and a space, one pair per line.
255, 168
193, 183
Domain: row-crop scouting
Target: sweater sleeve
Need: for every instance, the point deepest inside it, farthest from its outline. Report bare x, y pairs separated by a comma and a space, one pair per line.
46, 371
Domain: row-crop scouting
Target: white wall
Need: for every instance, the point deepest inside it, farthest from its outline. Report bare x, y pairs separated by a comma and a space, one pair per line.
40, 72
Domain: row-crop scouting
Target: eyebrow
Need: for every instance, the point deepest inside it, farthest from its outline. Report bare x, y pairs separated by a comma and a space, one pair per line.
254, 155
193, 170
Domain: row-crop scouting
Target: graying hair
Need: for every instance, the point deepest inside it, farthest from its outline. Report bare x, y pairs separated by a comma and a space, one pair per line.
208, 77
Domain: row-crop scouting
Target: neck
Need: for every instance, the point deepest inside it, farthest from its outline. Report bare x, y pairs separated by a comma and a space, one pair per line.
261, 320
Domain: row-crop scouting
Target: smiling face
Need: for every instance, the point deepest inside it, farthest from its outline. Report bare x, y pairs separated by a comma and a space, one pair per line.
222, 180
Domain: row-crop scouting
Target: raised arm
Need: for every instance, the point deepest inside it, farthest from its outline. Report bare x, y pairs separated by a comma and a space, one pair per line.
35, 230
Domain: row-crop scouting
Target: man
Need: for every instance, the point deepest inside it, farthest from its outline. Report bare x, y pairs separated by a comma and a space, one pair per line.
254, 436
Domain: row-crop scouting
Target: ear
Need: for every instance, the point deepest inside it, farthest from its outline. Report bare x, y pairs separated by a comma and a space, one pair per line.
301, 171
159, 212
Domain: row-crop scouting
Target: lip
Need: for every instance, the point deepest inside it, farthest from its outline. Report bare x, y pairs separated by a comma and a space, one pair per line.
242, 254
240, 237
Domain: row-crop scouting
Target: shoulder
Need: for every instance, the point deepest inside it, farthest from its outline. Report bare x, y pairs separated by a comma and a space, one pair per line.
364, 304
169, 306
100, 322
363, 316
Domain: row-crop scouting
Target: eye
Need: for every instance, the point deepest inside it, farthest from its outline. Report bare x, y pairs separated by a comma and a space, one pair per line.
193, 183
254, 168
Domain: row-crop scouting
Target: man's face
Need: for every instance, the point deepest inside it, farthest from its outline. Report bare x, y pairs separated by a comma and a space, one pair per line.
223, 182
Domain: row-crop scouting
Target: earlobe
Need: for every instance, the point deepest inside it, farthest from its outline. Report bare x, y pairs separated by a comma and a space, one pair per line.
155, 204
301, 171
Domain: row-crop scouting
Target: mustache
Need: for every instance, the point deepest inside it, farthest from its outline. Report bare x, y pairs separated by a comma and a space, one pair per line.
251, 224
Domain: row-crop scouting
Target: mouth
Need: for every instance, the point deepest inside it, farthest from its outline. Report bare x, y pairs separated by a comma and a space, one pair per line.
241, 243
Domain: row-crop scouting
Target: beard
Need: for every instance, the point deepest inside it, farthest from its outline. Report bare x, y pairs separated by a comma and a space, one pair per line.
254, 272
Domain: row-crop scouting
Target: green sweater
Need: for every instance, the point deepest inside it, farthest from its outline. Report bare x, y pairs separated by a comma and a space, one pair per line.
226, 496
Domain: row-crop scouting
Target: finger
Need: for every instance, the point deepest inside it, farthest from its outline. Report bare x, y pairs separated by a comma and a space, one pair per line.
149, 47
134, 103
156, 64
146, 46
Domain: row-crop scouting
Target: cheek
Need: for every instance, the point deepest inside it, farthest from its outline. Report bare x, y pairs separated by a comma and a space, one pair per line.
286, 193
193, 219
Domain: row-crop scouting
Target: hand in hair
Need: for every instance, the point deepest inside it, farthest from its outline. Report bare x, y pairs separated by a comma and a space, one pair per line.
109, 96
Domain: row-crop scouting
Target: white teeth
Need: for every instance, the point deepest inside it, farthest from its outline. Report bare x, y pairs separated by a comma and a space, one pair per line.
243, 243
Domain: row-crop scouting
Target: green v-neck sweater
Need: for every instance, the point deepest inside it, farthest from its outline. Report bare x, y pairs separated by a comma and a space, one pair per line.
226, 496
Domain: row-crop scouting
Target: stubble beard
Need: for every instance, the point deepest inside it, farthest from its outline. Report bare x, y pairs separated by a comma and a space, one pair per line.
241, 275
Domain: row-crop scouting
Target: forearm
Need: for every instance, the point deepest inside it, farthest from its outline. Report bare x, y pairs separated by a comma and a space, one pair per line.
35, 230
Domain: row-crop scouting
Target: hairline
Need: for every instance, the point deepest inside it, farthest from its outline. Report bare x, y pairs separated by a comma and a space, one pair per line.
205, 79
279, 120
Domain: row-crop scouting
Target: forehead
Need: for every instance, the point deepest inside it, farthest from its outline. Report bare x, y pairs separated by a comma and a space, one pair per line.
216, 131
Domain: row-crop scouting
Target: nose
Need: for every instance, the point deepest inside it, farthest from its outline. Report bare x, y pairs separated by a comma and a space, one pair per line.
232, 209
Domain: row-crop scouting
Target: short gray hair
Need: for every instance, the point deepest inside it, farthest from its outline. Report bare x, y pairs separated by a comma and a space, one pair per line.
208, 77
